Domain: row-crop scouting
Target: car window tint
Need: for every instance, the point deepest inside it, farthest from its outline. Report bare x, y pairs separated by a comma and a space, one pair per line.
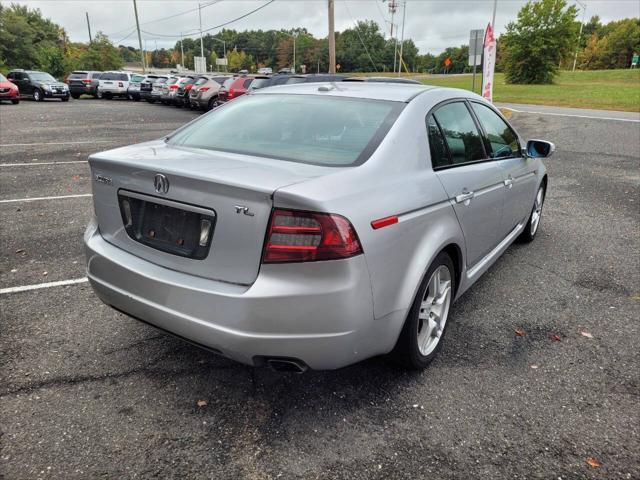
123, 76
260, 83
78, 75
221, 80
337, 133
247, 82
96, 75
228, 82
460, 132
437, 147
201, 81
502, 138
136, 78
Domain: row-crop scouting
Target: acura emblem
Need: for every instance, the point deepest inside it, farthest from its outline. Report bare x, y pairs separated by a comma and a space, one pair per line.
161, 183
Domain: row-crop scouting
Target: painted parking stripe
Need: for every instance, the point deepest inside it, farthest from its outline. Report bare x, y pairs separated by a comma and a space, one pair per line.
40, 163
54, 143
38, 286
35, 199
592, 117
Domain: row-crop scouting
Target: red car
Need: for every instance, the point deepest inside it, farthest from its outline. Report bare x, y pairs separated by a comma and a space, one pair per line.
8, 91
233, 87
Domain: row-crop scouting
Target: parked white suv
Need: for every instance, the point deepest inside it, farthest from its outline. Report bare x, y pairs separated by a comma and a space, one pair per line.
114, 84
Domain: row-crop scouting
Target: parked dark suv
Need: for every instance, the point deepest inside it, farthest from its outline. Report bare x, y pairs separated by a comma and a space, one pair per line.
83, 82
39, 85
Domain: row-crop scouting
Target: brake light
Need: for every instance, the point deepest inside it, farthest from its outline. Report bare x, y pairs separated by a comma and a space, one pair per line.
173, 87
231, 93
86, 81
120, 84
299, 236
203, 89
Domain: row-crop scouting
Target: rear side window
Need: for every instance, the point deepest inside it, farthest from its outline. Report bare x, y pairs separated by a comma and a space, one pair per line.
341, 131
502, 139
96, 75
437, 147
460, 132
123, 76
247, 82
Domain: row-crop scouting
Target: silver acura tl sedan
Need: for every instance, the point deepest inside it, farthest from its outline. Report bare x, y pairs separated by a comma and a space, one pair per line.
314, 225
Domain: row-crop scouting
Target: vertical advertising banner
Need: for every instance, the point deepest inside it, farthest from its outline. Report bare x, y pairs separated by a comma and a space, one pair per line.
489, 64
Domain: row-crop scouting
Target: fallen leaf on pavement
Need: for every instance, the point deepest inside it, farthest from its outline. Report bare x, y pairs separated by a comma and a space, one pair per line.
533, 366
520, 332
20, 250
45, 273
586, 334
555, 337
592, 462
202, 403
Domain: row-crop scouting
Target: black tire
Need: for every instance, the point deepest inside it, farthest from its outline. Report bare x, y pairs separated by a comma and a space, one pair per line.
150, 100
38, 96
107, 96
99, 94
212, 103
406, 351
15, 101
65, 99
75, 95
530, 230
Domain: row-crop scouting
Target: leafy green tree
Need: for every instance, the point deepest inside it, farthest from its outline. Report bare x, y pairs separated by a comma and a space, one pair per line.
101, 55
543, 35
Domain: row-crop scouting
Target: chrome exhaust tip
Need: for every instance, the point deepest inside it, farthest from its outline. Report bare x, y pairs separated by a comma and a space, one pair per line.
287, 365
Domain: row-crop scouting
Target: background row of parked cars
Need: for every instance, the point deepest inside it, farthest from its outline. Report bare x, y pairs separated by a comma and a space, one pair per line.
198, 91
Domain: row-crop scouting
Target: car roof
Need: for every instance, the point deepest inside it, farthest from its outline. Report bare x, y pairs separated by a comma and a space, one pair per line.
397, 92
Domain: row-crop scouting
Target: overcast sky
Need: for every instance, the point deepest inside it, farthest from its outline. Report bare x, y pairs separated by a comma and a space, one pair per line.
432, 24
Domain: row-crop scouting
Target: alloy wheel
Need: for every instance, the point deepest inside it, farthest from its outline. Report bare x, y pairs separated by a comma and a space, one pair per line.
36, 95
434, 310
537, 211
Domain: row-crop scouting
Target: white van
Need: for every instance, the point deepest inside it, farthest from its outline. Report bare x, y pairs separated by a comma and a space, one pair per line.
114, 84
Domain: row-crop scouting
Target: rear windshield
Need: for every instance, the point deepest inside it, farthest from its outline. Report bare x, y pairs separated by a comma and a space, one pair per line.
160, 80
78, 75
201, 81
114, 76
340, 132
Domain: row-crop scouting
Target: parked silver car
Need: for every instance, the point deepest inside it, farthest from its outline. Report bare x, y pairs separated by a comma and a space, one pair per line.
205, 92
314, 225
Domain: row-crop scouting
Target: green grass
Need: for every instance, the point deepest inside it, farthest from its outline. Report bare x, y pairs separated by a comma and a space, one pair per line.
598, 89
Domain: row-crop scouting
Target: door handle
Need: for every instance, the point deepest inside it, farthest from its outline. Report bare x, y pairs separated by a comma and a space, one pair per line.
465, 197
509, 182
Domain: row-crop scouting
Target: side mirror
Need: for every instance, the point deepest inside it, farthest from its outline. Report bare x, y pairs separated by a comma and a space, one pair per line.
540, 148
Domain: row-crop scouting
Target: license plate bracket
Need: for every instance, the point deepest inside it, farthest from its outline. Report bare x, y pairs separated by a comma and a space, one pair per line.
170, 227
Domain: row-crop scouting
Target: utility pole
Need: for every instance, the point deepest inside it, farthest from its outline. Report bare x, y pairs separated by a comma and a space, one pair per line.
88, 26
201, 45
393, 6
404, 16
181, 50
332, 40
293, 70
135, 9
575, 57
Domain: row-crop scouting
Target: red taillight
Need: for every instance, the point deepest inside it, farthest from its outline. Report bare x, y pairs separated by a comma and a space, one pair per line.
203, 89
298, 236
231, 93
173, 87
86, 81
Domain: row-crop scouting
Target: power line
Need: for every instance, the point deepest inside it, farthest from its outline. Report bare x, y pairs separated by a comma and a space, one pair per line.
212, 28
358, 32
168, 17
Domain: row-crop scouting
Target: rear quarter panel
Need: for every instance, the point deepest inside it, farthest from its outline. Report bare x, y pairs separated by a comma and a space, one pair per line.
396, 180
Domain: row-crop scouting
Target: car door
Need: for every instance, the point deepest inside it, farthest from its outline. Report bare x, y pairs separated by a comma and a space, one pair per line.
18, 79
519, 172
473, 182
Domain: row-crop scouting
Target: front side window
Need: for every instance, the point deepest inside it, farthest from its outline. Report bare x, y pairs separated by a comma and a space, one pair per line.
341, 131
502, 139
460, 132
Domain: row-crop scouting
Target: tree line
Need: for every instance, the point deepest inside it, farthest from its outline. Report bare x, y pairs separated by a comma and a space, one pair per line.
543, 39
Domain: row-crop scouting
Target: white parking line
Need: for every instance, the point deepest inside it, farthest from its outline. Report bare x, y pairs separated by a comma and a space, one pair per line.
26, 288
39, 163
33, 199
53, 143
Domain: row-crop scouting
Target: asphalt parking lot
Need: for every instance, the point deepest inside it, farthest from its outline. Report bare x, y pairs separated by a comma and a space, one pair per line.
86, 392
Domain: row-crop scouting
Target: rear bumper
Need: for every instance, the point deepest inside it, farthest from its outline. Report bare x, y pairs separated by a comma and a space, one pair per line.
81, 89
318, 312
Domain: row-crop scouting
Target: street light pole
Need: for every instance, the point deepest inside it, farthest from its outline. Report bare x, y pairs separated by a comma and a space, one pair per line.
200, 17
294, 52
575, 57
181, 50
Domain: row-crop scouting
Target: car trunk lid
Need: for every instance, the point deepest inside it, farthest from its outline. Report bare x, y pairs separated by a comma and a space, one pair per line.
230, 191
